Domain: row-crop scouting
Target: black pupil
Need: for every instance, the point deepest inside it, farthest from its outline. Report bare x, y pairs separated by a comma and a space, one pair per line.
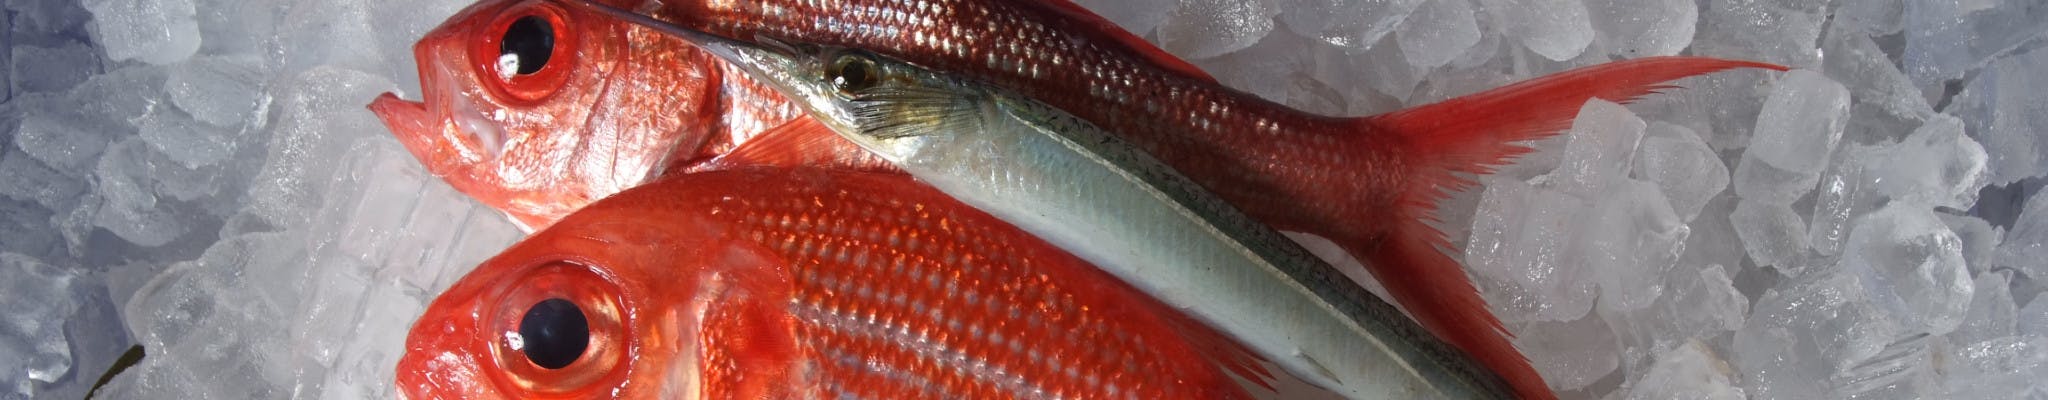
854, 74
532, 40
555, 333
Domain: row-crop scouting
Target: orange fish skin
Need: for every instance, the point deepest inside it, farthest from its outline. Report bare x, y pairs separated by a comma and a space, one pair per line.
613, 106
811, 283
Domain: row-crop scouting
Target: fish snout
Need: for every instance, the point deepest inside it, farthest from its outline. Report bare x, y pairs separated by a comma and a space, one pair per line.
420, 131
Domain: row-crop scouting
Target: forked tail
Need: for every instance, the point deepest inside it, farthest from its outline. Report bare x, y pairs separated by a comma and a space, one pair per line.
1447, 142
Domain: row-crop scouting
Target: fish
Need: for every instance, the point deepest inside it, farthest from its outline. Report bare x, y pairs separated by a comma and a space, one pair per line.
536, 110
806, 282
1078, 187
1370, 184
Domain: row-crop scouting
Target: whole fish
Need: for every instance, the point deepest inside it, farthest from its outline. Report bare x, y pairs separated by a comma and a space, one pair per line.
1081, 189
536, 109
1369, 184
757, 283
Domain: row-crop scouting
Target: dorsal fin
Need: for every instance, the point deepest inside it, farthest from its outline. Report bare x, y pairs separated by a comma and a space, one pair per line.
1103, 28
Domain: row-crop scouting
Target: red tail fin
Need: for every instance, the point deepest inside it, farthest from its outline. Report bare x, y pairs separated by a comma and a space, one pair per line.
1471, 135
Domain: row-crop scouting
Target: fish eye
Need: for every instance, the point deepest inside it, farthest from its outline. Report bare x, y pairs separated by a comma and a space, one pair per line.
526, 46
853, 72
554, 332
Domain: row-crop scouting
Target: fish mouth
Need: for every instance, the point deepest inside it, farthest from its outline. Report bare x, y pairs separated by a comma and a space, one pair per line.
415, 127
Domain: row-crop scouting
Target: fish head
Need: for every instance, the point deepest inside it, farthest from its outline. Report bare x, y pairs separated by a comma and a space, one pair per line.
537, 109
643, 300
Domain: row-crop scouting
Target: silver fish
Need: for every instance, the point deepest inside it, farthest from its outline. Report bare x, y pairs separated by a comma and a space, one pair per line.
1080, 188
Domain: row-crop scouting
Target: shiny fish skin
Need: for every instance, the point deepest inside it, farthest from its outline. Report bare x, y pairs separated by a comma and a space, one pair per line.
810, 283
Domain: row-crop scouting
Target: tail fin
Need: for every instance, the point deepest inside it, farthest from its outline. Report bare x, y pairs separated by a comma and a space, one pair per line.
1471, 135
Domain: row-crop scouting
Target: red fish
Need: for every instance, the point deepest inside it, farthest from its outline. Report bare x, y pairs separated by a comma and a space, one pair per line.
755, 283
537, 110
1370, 184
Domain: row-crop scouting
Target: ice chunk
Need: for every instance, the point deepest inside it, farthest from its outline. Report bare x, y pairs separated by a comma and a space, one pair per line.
1437, 32
60, 141
2001, 367
1806, 339
2005, 109
242, 26
218, 90
1979, 239
1353, 25
1887, 106
1600, 150
1208, 28
1256, 69
2033, 319
132, 210
1700, 303
1137, 16
153, 31
1555, 29
39, 69
1570, 355
1691, 371
1631, 240
1845, 193
192, 143
1771, 234
1643, 28
2026, 245
24, 178
1992, 312
1936, 165
1518, 251
1871, 17
1912, 266
1801, 120
40, 298
1945, 39
1682, 166
1773, 31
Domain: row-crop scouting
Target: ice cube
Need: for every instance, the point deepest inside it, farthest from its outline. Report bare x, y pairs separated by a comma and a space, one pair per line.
1352, 25
1601, 149
1801, 122
192, 143
1803, 338
218, 90
1691, 371
1632, 238
1887, 106
60, 141
1555, 29
1570, 355
1871, 17
242, 26
2026, 245
24, 178
1643, 28
40, 69
1846, 192
1912, 266
1208, 28
1518, 252
1771, 31
1945, 39
40, 299
1437, 32
1771, 234
1936, 166
132, 210
1137, 16
1682, 166
2002, 367
1992, 313
1700, 303
159, 32
2005, 109
1979, 239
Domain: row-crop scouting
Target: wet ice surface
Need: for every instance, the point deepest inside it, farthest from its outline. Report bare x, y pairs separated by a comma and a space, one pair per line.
200, 177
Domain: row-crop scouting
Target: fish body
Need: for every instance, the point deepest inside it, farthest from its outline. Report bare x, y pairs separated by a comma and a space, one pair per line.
1078, 187
536, 109
1369, 184
805, 283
